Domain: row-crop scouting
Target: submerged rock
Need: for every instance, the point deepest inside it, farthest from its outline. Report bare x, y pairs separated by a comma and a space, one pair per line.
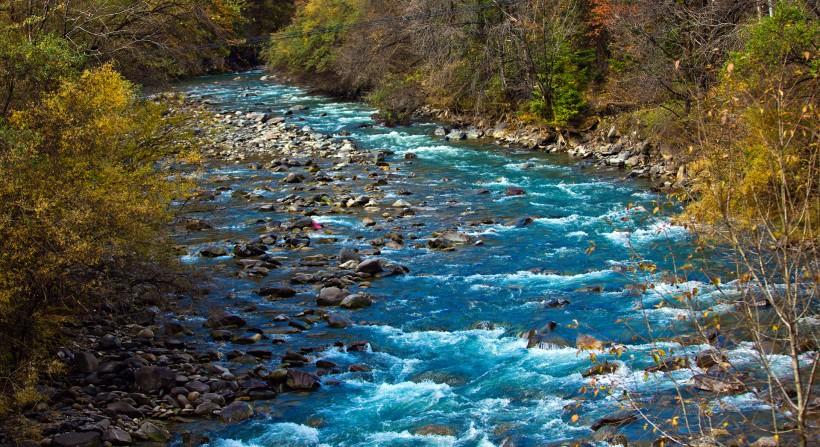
277, 292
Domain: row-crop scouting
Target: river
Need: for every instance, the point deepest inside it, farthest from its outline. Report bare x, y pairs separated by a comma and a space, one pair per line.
448, 366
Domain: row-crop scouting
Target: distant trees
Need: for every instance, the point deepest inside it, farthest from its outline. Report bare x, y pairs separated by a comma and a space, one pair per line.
487, 55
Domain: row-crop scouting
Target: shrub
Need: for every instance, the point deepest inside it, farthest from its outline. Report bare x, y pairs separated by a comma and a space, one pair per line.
760, 161
310, 42
80, 190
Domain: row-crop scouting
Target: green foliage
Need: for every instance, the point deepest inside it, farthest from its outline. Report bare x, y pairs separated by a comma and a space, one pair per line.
28, 67
564, 80
310, 42
397, 98
761, 166
80, 191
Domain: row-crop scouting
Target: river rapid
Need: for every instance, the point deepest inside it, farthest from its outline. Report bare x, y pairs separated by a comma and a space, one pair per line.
447, 363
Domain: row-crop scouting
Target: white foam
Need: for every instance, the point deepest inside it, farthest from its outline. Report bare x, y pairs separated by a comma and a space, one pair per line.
656, 232
285, 434
400, 438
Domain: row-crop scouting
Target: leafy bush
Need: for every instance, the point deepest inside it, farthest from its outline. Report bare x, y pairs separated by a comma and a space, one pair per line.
80, 190
31, 66
397, 98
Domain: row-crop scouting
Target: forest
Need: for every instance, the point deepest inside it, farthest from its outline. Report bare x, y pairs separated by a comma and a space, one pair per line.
98, 164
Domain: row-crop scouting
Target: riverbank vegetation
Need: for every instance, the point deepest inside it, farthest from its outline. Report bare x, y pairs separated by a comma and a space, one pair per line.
83, 205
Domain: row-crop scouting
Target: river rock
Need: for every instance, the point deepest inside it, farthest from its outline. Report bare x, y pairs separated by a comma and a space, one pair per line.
86, 362
370, 266
557, 302
600, 368
718, 383
109, 342
277, 292
325, 364
77, 439
357, 301
401, 204
669, 364
249, 250
709, 358
434, 430
346, 255
512, 191
294, 178
236, 411
206, 408
150, 379
248, 338
117, 436
331, 296
609, 435
301, 381
213, 251
122, 407
616, 419
154, 432
338, 321
522, 222
219, 319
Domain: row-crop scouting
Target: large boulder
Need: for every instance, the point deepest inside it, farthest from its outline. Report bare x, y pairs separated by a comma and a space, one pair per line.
370, 266
357, 301
236, 411
150, 379
154, 432
331, 296
206, 408
117, 436
302, 381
